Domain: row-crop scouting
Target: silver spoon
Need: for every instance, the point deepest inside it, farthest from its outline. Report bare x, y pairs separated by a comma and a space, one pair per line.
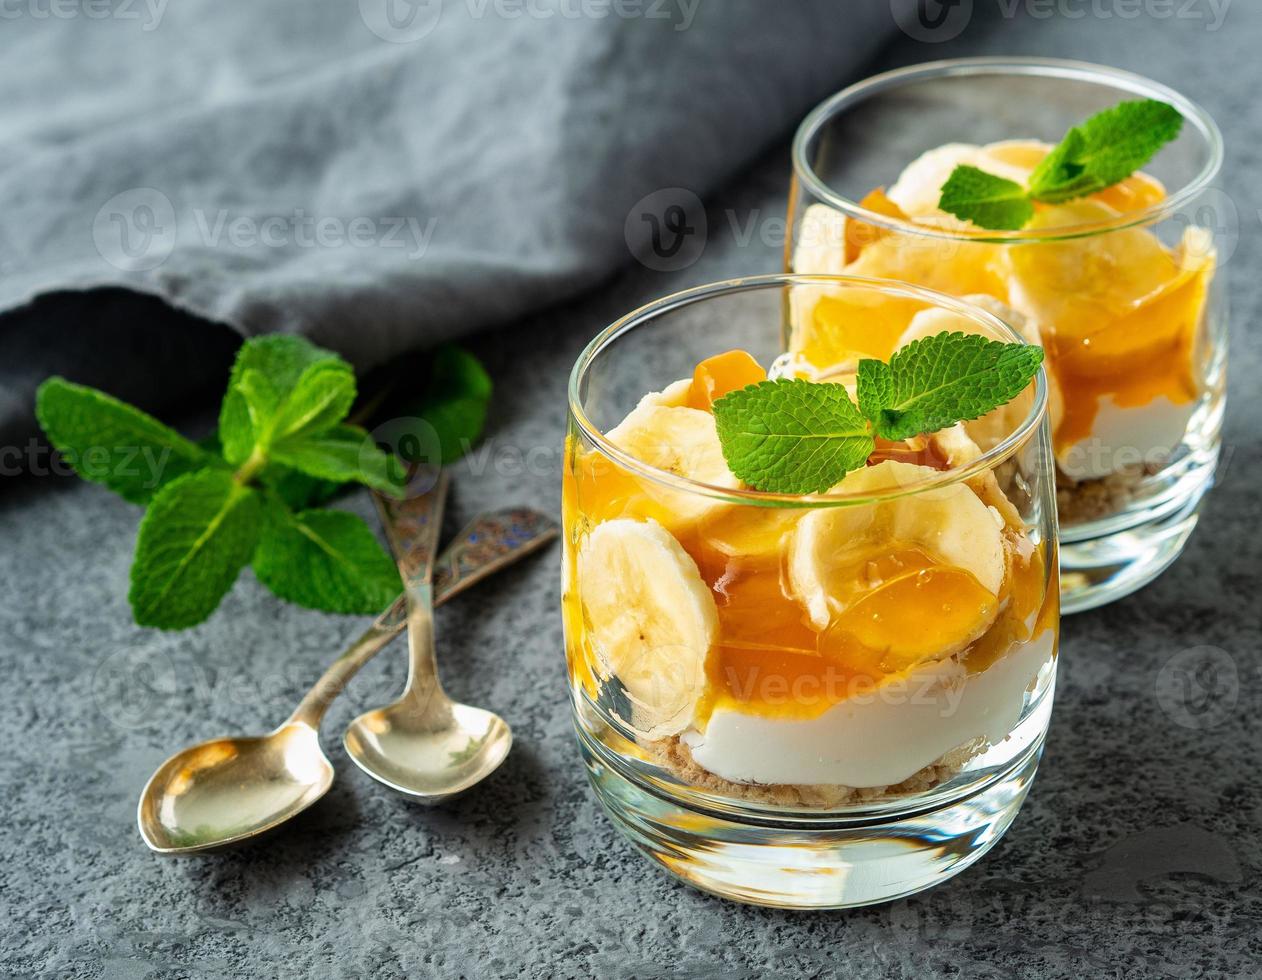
229, 790
424, 745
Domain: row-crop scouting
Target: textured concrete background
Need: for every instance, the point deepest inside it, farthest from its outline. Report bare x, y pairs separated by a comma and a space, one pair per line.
1138, 852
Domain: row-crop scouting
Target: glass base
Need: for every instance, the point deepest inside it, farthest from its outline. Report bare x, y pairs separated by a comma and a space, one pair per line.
1102, 561
824, 861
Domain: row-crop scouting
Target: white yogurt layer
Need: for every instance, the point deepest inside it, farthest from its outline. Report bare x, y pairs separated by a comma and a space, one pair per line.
1123, 438
876, 738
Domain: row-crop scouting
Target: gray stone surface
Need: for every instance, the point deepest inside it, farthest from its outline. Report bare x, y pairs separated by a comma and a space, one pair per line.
1137, 855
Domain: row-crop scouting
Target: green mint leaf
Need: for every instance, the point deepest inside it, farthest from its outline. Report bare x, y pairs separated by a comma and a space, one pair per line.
1058, 177
320, 400
447, 418
457, 401
110, 442
325, 559
937, 381
196, 536
262, 400
1105, 150
792, 436
342, 454
298, 490
281, 361
986, 200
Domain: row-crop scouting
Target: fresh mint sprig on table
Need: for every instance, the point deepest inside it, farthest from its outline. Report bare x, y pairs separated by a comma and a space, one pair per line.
245, 495
798, 437
1093, 156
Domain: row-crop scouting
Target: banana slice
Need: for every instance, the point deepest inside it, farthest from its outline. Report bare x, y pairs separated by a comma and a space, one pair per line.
679, 440
992, 428
674, 395
936, 320
650, 619
752, 535
950, 523
821, 242
820, 249
1080, 286
919, 187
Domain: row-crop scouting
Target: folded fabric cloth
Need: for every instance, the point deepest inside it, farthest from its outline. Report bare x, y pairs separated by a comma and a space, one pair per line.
386, 174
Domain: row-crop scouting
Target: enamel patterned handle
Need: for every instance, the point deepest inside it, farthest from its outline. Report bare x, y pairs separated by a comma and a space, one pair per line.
412, 528
490, 542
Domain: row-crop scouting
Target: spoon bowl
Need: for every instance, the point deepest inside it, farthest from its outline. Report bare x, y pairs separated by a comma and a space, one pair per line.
228, 789
406, 750
424, 745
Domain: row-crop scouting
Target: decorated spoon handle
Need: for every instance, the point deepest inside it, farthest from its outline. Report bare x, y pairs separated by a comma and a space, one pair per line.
489, 543
412, 527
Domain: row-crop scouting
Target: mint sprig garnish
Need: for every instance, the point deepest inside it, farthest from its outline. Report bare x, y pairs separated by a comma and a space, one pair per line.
800, 437
245, 495
986, 200
934, 382
1093, 156
792, 436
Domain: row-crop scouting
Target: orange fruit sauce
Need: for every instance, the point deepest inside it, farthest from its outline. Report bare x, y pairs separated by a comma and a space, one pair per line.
1124, 327
902, 608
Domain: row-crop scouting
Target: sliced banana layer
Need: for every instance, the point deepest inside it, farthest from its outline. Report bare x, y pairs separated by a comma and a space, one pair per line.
1082, 285
937, 320
674, 395
919, 187
820, 249
650, 619
754, 535
991, 429
679, 440
950, 523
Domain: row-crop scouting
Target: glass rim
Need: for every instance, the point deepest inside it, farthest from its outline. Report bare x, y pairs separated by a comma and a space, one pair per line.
763, 498
1136, 84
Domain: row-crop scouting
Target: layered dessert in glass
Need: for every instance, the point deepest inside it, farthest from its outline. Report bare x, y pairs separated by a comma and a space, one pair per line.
1122, 286
885, 645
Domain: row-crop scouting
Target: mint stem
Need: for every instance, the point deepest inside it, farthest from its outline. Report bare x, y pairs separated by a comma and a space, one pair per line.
251, 467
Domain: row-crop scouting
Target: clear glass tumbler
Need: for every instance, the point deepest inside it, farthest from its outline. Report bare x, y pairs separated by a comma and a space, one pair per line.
1123, 289
801, 701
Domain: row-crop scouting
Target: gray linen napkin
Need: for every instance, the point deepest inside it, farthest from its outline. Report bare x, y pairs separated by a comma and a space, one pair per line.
375, 175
